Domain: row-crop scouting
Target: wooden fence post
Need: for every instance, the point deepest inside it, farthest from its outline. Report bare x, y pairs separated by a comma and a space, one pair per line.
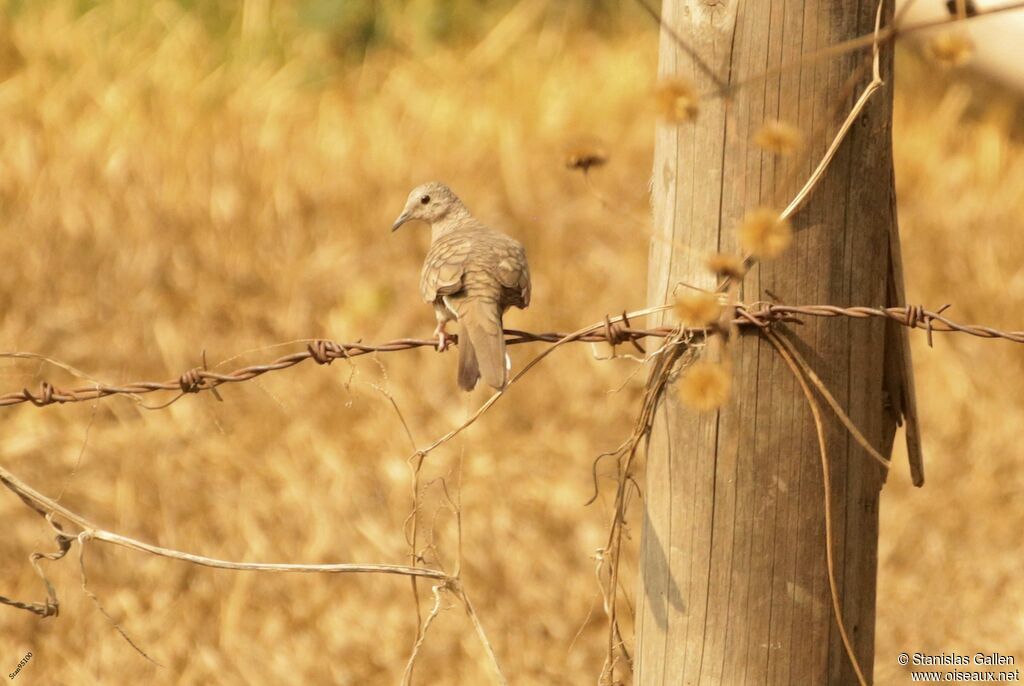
733, 585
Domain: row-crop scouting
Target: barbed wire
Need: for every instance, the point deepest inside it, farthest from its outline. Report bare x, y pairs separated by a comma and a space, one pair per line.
324, 352
911, 316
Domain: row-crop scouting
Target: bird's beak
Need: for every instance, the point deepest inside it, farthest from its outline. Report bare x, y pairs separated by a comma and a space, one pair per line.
402, 218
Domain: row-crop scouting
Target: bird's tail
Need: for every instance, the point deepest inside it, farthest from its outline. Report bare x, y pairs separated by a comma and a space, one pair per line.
481, 344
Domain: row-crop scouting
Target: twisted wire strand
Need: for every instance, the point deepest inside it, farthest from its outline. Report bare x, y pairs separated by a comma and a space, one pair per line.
324, 352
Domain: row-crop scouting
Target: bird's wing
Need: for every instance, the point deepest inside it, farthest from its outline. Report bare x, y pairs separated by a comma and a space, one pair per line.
445, 266
511, 269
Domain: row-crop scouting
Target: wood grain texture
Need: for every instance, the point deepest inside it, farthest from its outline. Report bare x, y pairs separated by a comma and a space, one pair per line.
733, 585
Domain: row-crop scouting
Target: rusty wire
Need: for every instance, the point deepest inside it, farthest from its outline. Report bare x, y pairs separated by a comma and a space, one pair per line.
911, 316
324, 351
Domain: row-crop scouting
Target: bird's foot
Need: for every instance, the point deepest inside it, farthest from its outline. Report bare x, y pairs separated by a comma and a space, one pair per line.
444, 339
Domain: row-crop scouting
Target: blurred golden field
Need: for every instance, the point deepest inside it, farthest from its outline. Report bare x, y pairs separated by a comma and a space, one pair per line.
186, 177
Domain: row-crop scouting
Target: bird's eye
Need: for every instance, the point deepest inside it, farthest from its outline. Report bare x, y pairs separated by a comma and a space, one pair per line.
425, 199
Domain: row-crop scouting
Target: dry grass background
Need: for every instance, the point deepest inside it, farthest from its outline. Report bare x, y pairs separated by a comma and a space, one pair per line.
179, 177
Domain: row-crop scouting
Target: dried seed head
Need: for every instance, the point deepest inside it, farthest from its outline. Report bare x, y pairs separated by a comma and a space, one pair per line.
726, 266
779, 138
705, 386
585, 153
677, 101
698, 309
951, 48
765, 234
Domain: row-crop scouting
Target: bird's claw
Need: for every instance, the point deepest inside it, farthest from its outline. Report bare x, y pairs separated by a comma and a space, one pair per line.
444, 339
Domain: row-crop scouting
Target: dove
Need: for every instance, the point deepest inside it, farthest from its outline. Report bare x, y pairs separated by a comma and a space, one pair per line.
472, 274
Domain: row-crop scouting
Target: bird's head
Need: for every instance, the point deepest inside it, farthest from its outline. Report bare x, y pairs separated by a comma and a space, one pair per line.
429, 202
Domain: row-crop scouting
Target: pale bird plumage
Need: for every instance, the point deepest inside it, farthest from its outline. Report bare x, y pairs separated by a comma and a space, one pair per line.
472, 274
